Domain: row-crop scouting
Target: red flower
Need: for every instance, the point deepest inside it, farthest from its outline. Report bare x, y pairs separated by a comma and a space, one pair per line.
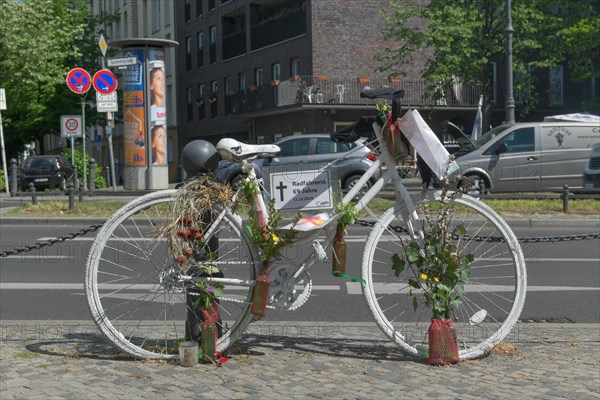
188, 252
181, 233
220, 359
181, 258
199, 236
186, 221
194, 229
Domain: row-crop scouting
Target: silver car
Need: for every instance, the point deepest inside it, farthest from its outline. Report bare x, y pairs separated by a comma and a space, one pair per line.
312, 151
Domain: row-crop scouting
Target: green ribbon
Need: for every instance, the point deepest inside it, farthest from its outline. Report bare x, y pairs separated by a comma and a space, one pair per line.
352, 279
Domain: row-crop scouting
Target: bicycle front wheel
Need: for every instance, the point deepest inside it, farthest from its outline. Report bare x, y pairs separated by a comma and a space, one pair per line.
493, 296
136, 294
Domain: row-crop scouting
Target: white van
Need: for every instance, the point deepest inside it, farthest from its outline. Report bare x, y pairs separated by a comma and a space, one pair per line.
525, 157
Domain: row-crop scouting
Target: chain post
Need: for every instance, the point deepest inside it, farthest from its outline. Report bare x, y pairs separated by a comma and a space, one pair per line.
565, 199
71, 194
75, 178
92, 185
33, 194
13, 177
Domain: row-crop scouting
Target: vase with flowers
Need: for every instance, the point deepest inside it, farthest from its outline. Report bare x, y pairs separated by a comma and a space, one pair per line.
439, 273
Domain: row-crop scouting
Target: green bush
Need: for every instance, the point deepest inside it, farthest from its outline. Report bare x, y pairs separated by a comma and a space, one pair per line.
99, 178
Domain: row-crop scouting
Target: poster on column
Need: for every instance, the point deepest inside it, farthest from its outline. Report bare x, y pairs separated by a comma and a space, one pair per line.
158, 107
133, 112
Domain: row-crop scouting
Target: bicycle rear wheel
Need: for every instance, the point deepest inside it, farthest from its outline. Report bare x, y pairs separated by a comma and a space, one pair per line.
136, 294
493, 297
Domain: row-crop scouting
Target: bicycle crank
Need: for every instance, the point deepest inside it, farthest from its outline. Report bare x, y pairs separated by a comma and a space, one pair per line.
287, 293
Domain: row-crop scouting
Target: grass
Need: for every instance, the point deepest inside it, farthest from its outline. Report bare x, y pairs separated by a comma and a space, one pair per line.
104, 209
26, 354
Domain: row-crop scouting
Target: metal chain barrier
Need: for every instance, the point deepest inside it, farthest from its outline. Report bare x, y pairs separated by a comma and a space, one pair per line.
398, 229
543, 239
59, 239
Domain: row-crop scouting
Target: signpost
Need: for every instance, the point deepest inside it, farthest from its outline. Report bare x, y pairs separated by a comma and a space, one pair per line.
3, 107
70, 127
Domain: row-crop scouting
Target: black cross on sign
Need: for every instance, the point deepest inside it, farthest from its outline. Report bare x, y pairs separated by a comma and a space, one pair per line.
281, 187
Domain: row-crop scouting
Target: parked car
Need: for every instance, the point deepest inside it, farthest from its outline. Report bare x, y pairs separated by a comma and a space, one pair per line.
46, 172
308, 151
535, 156
591, 174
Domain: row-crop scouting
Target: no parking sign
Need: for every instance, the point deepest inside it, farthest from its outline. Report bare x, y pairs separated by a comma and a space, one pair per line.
79, 80
105, 82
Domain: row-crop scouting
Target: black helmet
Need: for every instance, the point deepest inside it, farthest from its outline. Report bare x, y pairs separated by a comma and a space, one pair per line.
199, 156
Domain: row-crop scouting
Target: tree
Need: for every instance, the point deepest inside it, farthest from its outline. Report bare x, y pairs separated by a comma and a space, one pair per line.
464, 36
40, 41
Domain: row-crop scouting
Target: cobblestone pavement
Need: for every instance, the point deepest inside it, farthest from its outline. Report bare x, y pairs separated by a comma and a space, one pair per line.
276, 360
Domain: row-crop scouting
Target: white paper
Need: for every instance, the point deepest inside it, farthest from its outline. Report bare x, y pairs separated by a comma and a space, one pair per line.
427, 144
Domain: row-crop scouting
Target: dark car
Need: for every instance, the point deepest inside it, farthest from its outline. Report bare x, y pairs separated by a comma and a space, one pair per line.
308, 150
46, 172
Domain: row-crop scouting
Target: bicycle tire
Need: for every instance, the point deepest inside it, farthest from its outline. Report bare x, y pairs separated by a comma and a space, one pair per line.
133, 293
497, 283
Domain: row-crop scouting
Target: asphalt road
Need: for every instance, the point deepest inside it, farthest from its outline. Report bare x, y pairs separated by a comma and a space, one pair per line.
563, 278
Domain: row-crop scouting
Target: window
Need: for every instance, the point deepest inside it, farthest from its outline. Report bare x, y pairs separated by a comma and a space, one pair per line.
327, 146
258, 76
188, 53
189, 103
213, 44
276, 72
157, 15
198, 8
200, 101
200, 50
295, 147
212, 98
556, 85
242, 80
187, 10
518, 141
226, 85
294, 66
211, 5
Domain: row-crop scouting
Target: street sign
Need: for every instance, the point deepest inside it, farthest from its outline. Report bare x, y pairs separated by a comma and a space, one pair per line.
107, 102
103, 45
79, 80
105, 82
121, 62
70, 126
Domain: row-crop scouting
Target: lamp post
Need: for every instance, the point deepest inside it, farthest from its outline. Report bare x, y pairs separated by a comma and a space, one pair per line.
510, 100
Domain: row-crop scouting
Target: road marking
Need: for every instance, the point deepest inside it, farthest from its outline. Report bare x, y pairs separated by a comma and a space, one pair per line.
391, 288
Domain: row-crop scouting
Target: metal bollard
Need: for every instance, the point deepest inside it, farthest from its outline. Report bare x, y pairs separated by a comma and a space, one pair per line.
32, 191
75, 178
92, 185
481, 187
13, 177
565, 199
71, 194
108, 181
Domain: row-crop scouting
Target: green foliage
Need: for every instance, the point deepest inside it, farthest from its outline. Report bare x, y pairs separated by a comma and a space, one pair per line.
208, 293
463, 37
436, 266
269, 237
78, 157
40, 41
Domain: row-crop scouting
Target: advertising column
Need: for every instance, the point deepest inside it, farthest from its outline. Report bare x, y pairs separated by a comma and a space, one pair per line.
134, 119
145, 119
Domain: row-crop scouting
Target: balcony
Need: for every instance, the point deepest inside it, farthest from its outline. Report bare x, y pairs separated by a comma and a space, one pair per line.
234, 45
281, 27
315, 90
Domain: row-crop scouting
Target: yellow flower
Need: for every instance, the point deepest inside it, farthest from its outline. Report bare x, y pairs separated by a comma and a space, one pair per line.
274, 237
436, 279
424, 276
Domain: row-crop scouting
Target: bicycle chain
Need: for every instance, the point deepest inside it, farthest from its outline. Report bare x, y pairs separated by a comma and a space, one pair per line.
398, 229
59, 239
565, 238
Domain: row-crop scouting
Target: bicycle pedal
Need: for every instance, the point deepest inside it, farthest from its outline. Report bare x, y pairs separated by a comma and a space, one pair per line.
319, 251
